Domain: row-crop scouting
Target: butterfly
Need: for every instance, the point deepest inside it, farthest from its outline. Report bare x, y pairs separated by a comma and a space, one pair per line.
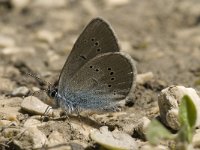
96, 75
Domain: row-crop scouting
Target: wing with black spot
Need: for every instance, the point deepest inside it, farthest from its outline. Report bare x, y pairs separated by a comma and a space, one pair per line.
103, 80
97, 38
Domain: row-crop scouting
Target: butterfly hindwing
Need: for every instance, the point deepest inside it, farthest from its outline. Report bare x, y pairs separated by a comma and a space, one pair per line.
104, 79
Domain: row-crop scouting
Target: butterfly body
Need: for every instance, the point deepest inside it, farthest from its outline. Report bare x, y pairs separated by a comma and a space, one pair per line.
96, 74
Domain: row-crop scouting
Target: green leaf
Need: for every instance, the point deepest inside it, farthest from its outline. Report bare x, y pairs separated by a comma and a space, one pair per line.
156, 132
187, 112
187, 117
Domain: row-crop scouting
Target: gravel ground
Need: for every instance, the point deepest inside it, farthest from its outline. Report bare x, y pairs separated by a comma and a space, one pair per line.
163, 37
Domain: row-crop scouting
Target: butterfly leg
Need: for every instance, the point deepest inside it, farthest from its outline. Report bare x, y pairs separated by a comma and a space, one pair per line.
45, 113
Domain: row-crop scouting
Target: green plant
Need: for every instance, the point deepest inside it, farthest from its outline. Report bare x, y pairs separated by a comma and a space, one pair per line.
187, 118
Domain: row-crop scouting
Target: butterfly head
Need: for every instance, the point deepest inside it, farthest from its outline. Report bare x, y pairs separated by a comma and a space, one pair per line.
52, 92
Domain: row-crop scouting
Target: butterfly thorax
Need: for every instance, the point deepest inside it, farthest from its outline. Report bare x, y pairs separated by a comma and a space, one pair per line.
57, 100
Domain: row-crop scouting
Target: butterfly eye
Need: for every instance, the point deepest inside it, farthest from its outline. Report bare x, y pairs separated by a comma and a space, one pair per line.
109, 68
92, 39
53, 93
109, 85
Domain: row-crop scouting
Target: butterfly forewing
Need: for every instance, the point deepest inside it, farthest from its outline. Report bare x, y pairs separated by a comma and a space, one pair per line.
97, 38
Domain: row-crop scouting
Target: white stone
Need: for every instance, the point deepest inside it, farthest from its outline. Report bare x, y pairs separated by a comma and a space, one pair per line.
20, 91
113, 140
145, 77
169, 100
33, 105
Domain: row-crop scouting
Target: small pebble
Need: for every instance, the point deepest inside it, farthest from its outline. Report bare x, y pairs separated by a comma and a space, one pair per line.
145, 77
169, 100
113, 140
33, 105
20, 91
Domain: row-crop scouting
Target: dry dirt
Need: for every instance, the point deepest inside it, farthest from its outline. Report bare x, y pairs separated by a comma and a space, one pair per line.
162, 36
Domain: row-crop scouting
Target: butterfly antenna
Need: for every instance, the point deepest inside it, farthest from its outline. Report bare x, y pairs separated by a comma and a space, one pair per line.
39, 79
